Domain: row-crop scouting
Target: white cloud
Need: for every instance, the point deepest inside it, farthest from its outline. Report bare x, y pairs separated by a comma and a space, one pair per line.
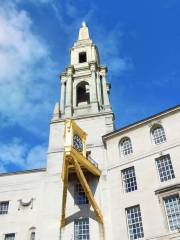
71, 10
13, 152
26, 70
18, 153
109, 43
25, 67
34, 1
36, 157
2, 169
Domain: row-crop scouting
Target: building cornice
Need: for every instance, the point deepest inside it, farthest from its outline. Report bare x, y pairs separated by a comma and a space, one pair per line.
141, 122
23, 172
100, 114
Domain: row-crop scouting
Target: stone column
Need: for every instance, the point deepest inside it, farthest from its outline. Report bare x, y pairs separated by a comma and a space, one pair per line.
62, 101
68, 107
105, 89
99, 90
94, 100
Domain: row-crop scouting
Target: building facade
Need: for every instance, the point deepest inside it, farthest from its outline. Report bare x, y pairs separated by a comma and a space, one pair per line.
138, 190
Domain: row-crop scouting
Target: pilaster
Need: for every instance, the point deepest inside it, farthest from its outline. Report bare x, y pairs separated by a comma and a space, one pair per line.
93, 87
68, 107
105, 85
99, 92
62, 101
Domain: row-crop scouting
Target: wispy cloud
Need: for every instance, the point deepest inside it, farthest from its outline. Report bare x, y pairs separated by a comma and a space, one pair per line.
70, 15
108, 41
25, 72
18, 153
25, 68
110, 44
2, 169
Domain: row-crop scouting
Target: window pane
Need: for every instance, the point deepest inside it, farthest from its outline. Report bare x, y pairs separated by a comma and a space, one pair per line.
32, 236
159, 135
81, 197
10, 236
129, 179
172, 205
165, 168
126, 146
81, 229
4, 207
134, 221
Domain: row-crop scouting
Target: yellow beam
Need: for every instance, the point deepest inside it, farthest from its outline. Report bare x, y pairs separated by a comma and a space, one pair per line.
87, 190
64, 197
85, 162
63, 168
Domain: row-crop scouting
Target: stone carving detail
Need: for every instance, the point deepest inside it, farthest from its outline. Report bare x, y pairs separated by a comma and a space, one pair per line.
23, 204
161, 154
155, 122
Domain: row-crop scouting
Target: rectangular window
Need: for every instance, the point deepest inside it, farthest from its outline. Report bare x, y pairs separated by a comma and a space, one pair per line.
165, 168
134, 221
80, 195
4, 207
172, 206
9, 236
81, 229
129, 179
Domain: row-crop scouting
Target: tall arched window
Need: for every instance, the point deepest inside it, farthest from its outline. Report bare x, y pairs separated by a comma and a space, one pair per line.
126, 146
83, 93
158, 134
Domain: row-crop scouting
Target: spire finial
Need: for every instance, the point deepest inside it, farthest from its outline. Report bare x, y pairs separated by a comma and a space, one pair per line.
84, 24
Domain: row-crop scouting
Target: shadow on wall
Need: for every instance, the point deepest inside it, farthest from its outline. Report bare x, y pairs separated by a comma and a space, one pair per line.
84, 209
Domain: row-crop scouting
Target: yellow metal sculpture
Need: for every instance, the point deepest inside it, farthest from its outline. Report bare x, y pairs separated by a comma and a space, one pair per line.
75, 160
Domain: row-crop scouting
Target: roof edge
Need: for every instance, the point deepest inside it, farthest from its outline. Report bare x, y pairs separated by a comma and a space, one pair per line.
23, 172
142, 121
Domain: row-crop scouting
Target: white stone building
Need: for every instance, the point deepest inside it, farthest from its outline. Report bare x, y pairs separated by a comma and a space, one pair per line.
138, 191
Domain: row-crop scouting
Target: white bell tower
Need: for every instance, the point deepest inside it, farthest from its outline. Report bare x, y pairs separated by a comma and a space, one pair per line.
84, 86
84, 99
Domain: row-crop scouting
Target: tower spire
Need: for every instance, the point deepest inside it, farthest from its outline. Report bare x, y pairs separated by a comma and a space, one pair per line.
83, 32
84, 86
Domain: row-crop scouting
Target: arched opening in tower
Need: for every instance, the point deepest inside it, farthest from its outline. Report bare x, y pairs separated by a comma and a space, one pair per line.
83, 93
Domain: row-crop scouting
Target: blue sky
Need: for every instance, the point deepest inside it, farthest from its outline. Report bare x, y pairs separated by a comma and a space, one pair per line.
137, 40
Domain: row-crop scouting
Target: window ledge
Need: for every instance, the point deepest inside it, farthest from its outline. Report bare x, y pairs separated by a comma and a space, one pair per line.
168, 188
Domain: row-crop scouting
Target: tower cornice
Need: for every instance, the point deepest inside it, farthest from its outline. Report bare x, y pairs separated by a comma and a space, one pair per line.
103, 69
93, 66
62, 75
70, 69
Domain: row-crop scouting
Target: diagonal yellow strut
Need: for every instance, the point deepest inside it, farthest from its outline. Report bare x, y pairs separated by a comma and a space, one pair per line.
84, 162
87, 190
65, 186
84, 184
